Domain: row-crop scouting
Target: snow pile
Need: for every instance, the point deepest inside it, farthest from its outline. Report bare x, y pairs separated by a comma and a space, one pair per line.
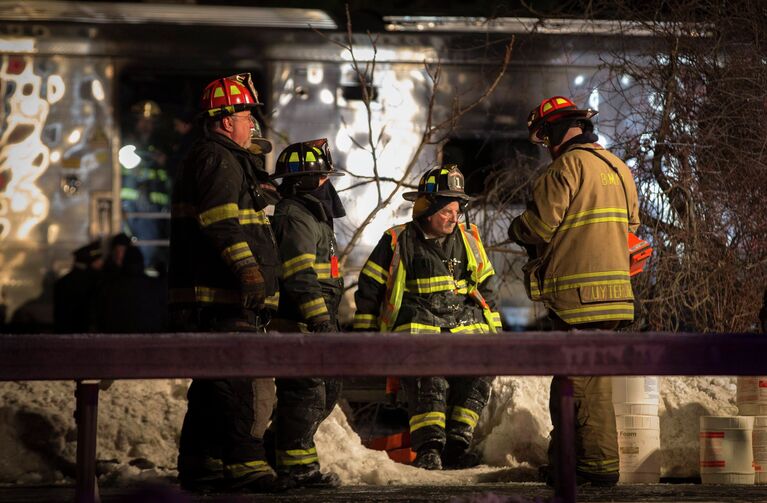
515, 425
341, 451
139, 424
138, 428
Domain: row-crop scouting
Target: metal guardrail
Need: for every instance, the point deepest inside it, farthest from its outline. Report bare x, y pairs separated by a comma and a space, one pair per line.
215, 355
89, 357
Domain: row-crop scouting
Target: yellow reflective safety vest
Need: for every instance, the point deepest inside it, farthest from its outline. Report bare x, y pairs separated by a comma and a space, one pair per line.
411, 284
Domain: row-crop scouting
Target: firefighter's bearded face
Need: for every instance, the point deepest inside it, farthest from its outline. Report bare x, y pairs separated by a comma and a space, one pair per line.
443, 222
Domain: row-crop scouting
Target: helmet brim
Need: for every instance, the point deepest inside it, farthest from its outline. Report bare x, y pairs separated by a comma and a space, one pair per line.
221, 112
302, 173
263, 145
412, 196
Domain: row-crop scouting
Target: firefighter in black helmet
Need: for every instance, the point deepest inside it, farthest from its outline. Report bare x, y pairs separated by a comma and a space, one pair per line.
432, 275
311, 287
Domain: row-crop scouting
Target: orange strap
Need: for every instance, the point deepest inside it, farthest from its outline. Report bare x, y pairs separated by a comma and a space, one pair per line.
392, 385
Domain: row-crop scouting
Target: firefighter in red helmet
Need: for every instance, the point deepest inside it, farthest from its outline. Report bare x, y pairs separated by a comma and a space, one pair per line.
223, 276
576, 231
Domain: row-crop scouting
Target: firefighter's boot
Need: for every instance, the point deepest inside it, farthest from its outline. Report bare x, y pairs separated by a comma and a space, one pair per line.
596, 479
458, 456
200, 474
254, 483
546, 474
428, 458
307, 476
252, 477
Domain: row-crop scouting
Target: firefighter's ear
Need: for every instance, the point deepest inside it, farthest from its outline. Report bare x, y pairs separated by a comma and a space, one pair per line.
227, 123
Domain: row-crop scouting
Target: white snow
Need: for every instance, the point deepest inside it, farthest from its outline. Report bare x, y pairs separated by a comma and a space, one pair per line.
139, 422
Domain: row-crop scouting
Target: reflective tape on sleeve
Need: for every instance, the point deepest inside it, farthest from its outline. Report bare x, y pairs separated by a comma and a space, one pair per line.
218, 213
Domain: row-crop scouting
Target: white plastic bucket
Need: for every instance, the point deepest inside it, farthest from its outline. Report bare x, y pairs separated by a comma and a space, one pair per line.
752, 396
760, 449
726, 450
635, 395
639, 449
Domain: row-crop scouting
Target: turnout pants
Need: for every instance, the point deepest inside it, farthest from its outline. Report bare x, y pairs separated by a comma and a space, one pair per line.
596, 437
302, 404
444, 410
223, 429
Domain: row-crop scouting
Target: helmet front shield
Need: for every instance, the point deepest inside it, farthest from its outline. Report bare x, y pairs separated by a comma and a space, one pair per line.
246, 80
441, 181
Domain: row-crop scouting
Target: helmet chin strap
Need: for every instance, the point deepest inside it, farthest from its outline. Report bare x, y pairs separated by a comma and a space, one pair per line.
307, 183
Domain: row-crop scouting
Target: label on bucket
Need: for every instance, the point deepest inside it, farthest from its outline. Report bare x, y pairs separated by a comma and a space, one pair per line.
726, 448
711, 446
651, 388
639, 449
752, 389
760, 446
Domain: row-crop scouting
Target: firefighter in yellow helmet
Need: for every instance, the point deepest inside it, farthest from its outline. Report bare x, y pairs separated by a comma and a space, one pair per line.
576, 232
432, 275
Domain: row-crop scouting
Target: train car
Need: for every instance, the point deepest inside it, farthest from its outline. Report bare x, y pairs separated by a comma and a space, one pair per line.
92, 92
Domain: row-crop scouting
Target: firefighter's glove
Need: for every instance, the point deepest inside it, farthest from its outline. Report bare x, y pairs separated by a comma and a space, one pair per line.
252, 288
532, 250
323, 327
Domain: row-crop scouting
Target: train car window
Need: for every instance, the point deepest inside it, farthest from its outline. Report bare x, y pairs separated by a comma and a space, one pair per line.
158, 114
495, 169
355, 92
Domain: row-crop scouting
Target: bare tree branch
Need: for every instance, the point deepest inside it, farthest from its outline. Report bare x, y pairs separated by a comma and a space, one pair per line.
365, 77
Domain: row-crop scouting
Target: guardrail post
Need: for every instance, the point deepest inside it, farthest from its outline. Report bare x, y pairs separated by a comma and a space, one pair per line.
564, 489
86, 417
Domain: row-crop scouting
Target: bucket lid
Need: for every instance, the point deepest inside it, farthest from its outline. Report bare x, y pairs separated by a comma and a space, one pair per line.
637, 422
726, 422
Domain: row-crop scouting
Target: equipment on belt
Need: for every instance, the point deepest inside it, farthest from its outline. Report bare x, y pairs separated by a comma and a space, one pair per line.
639, 253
